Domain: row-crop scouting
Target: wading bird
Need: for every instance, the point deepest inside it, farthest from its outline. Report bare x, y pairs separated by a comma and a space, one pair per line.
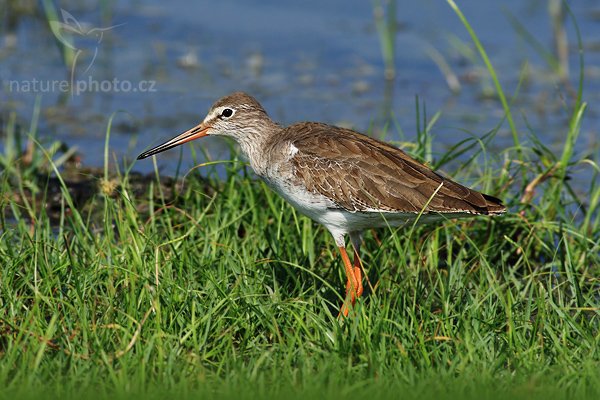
340, 178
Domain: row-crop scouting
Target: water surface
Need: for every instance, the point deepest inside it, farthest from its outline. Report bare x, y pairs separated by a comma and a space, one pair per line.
309, 60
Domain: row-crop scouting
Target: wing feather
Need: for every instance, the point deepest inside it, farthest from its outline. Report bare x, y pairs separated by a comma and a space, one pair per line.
359, 173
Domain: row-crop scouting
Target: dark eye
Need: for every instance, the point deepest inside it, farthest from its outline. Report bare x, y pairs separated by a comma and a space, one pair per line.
226, 113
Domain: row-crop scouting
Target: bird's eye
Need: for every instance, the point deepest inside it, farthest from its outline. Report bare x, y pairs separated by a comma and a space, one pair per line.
226, 113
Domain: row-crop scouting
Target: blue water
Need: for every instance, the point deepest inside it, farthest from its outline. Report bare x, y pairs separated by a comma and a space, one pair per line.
309, 60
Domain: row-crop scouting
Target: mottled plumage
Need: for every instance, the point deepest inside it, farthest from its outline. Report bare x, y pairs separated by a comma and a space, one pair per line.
362, 174
342, 179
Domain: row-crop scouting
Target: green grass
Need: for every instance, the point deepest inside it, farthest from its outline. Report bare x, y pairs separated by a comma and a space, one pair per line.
217, 288
225, 290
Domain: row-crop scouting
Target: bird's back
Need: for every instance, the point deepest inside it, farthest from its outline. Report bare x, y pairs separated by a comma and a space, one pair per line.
362, 174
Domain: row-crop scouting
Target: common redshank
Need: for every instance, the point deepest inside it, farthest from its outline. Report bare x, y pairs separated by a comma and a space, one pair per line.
340, 178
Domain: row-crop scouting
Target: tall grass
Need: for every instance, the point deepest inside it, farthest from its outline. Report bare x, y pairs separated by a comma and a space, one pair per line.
225, 289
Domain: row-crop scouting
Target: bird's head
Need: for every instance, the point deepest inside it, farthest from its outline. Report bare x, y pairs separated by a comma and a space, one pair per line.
237, 115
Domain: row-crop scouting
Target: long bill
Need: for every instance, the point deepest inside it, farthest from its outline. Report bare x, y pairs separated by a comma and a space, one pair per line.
196, 132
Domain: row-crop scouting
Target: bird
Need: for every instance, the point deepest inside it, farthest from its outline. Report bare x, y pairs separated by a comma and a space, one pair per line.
346, 181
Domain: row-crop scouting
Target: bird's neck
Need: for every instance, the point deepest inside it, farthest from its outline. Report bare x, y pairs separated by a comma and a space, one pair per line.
255, 141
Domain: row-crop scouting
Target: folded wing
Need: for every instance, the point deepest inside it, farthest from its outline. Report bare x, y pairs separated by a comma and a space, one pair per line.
361, 174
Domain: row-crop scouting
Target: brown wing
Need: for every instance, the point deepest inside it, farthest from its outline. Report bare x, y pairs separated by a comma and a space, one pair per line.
360, 173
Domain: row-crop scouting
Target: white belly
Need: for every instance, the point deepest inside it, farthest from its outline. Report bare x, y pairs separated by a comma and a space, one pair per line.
338, 221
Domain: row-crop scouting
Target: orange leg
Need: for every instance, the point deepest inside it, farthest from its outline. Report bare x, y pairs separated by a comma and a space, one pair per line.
358, 273
354, 287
